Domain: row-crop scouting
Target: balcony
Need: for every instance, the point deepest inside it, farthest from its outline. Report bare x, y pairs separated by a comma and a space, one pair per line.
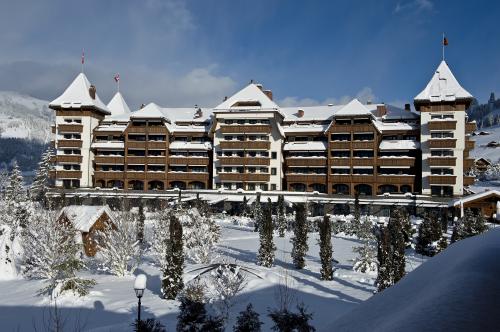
363, 145
109, 175
244, 161
157, 130
406, 161
442, 161
396, 179
109, 159
155, 175
69, 143
74, 159
156, 160
135, 175
70, 128
442, 125
469, 145
247, 177
157, 145
341, 162
442, 143
311, 178
336, 128
341, 178
468, 163
245, 145
363, 162
306, 161
53, 129
469, 180
185, 176
246, 129
192, 161
362, 178
442, 179
136, 160
68, 174
340, 145
137, 129
136, 144
470, 127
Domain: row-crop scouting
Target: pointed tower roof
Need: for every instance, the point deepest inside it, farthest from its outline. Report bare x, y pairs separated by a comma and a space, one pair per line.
250, 97
77, 95
117, 106
443, 86
354, 107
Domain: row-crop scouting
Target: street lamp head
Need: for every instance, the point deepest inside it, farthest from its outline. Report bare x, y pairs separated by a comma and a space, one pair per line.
140, 285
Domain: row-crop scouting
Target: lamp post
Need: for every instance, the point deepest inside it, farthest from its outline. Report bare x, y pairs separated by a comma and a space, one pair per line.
139, 286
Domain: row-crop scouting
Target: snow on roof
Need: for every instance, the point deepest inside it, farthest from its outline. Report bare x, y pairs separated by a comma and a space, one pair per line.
111, 127
392, 126
316, 113
429, 298
150, 111
189, 129
396, 113
179, 114
77, 95
305, 146
354, 107
399, 145
108, 145
470, 198
297, 128
83, 217
118, 106
248, 95
443, 86
190, 146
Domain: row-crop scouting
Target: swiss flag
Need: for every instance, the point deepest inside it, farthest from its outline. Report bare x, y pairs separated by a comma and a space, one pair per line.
445, 41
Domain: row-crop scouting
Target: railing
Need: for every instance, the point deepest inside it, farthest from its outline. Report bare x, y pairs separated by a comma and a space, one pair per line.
407, 161
133, 175
470, 127
244, 177
157, 130
68, 174
363, 145
157, 145
305, 161
340, 178
396, 179
109, 159
337, 128
316, 178
258, 161
442, 125
468, 163
261, 145
236, 129
70, 128
137, 129
361, 178
469, 145
69, 159
363, 162
442, 179
53, 129
188, 161
442, 161
341, 161
174, 176
136, 144
340, 145
442, 143
109, 175
136, 160
69, 143
469, 180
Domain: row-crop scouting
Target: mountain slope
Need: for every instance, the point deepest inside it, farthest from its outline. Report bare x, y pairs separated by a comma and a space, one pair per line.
22, 116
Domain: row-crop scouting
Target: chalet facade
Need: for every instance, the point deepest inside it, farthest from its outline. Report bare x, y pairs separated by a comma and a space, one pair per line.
248, 142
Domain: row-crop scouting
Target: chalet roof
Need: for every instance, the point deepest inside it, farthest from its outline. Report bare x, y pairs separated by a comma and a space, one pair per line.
83, 217
250, 97
77, 95
474, 197
399, 145
178, 114
443, 86
305, 146
117, 106
354, 107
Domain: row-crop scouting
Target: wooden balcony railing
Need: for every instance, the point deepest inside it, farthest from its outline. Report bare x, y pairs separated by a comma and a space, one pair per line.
306, 161
136, 160
442, 125
407, 161
341, 178
69, 143
257, 161
68, 174
442, 161
469, 180
469, 145
245, 129
311, 178
340, 162
157, 145
396, 179
109, 160
192, 161
137, 129
178, 176
468, 163
53, 129
442, 179
70, 128
155, 175
250, 177
363, 162
246, 145
442, 143
358, 128
75, 159
135, 175
136, 144
102, 175
340, 145
157, 130
363, 145
470, 127
358, 178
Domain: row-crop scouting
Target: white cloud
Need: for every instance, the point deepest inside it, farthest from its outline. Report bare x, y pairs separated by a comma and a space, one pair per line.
364, 95
415, 6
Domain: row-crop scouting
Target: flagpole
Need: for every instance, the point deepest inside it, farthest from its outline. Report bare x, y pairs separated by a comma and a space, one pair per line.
83, 58
442, 45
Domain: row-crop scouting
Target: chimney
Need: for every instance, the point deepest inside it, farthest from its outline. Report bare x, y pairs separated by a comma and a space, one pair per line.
268, 93
300, 113
407, 107
92, 91
260, 86
142, 106
225, 98
381, 110
368, 102
198, 113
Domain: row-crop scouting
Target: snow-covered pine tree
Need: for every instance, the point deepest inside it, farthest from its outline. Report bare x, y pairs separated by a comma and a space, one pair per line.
141, 218
41, 181
227, 282
299, 240
384, 277
408, 230
398, 246
51, 252
280, 216
265, 257
8, 268
244, 207
470, 224
248, 321
356, 222
429, 231
325, 248
257, 213
120, 249
366, 261
4, 180
287, 321
172, 282
18, 206
200, 234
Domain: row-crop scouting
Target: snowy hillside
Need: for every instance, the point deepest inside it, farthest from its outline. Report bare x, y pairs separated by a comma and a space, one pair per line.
457, 290
22, 116
481, 150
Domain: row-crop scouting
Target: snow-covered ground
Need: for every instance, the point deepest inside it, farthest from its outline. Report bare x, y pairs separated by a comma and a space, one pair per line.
111, 305
480, 148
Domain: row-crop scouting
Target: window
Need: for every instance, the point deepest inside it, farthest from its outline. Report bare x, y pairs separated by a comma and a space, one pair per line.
273, 171
228, 122
252, 121
241, 122
441, 171
251, 169
263, 169
274, 155
273, 187
441, 153
301, 139
251, 186
228, 138
218, 170
341, 153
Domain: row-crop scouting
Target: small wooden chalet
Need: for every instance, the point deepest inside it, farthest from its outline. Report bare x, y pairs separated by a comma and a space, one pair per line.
481, 164
88, 220
486, 202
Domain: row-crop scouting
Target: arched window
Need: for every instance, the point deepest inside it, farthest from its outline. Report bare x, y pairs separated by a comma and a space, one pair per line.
178, 184
341, 189
196, 185
155, 185
298, 187
319, 187
363, 189
136, 185
387, 188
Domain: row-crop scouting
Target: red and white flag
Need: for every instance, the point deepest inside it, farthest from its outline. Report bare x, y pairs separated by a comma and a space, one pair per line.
117, 78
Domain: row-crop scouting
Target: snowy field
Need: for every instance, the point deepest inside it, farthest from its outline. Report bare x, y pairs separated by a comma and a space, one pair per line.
111, 304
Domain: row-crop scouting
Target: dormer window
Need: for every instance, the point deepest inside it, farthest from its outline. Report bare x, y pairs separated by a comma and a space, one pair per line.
250, 103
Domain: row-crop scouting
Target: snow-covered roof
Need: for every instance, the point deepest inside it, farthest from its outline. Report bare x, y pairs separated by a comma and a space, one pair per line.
111, 127
311, 113
190, 146
443, 86
83, 217
108, 145
470, 198
150, 111
77, 95
305, 146
178, 114
399, 145
117, 106
297, 128
354, 107
248, 95
396, 113
393, 126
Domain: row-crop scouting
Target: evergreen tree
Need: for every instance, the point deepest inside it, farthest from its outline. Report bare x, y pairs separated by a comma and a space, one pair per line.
244, 208
470, 224
18, 207
172, 282
257, 213
281, 218
366, 260
299, 239
248, 321
325, 248
267, 248
384, 276
356, 222
429, 231
41, 181
395, 227
287, 321
406, 227
141, 218
200, 235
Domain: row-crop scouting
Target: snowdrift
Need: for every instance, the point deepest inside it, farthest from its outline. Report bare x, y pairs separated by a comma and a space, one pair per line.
457, 290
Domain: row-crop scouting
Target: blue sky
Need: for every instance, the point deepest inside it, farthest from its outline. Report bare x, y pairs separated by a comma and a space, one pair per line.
181, 53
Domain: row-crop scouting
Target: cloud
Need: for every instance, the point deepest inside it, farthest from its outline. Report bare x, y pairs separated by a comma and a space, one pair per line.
414, 6
364, 95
